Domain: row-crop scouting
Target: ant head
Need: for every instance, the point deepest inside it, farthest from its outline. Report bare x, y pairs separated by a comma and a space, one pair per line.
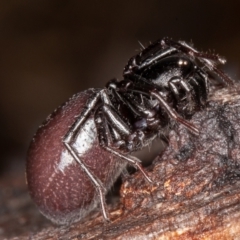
149, 57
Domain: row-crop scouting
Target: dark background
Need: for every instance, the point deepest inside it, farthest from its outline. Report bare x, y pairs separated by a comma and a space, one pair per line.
50, 50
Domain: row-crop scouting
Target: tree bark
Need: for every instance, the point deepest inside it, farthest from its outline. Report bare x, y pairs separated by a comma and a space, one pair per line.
196, 189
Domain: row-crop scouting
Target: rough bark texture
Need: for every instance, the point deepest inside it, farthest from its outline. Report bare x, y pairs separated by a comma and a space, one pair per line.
195, 195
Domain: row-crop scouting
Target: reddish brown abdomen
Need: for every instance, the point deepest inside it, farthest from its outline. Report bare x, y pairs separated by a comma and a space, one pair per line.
57, 184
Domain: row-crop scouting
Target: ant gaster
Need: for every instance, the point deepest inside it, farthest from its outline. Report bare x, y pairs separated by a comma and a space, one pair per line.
85, 144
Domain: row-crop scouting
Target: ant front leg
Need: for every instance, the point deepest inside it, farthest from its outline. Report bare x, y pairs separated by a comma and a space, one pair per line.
133, 161
106, 117
189, 50
172, 113
68, 141
209, 60
184, 85
151, 91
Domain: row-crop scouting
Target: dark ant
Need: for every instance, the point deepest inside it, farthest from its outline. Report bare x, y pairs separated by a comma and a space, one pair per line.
85, 144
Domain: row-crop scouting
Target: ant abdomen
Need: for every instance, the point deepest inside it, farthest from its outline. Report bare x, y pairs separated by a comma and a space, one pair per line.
59, 187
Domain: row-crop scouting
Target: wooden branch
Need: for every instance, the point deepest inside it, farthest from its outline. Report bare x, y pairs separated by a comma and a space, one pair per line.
196, 190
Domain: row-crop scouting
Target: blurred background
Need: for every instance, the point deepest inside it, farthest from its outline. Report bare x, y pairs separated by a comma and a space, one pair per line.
50, 50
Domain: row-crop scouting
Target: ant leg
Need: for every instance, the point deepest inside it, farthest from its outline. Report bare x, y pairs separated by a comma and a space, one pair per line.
116, 121
211, 66
136, 106
131, 160
107, 116
173, 114
186, 48
201, 85
210, 60
203, 75
152, 92
69, 139
121, 99
112, 116
188, 94
96, 182
185, 86
172, 86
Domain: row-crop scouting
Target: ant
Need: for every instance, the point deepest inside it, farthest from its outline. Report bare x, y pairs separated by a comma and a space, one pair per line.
85, 144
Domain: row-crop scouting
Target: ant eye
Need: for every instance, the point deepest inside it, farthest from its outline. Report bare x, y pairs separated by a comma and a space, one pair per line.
182, 62
185, 65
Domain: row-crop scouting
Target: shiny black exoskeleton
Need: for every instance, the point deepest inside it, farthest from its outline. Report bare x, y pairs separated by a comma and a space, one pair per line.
165, 83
